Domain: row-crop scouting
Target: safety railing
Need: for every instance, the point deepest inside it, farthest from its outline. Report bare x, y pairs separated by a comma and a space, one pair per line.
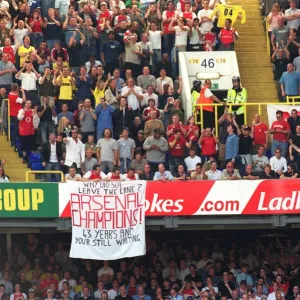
267, 37
200, 107
5, 117
62, 177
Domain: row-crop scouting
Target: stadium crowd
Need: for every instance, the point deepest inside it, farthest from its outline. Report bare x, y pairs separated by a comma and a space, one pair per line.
94, 87
184, 271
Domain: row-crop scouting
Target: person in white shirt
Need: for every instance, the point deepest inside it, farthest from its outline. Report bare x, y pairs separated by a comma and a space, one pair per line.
4, 5
28, 82
272, 296
106, 270
72, 175
292, 15
130, 175
278, 163
204, 17
149, 95
213, 173
162, 174
195, 36
100, 290
184, 270
133, 94
74, 150
162, 80
155, 39
181, 33
192, 160
20, 32
67, 277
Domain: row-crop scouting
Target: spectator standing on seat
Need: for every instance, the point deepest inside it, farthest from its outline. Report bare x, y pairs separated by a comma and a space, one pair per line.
52, 157
26, 129
232, 145
15, 104
245, 146
280, 130
75, 153
83, 84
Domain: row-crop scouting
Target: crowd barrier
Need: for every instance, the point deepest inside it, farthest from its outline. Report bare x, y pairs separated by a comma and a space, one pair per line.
180, 198
62, 176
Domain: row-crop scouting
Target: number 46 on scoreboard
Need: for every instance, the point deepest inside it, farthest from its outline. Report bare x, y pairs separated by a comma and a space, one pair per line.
207, 63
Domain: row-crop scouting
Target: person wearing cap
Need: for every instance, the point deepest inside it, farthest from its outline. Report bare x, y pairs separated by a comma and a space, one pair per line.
50, 295
156, 147
237, 95
31, 294
152, 124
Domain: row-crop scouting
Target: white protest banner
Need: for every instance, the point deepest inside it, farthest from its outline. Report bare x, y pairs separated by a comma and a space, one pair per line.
286, 111
108, 218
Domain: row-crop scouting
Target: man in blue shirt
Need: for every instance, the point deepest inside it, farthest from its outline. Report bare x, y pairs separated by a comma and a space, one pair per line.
244, 276
289, 82
65, 113
141, 294
232, 145
162, 174
111, 53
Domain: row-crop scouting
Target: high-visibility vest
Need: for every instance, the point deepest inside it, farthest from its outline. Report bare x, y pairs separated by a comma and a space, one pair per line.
203, 100
237, 98
195, 96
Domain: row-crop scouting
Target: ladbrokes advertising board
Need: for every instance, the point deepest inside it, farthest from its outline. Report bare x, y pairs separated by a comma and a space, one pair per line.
258, 197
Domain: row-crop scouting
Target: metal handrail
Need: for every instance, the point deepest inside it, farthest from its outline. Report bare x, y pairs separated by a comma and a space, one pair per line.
62, 179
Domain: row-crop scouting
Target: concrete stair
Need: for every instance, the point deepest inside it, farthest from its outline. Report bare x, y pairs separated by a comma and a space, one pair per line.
14, 166
254, 63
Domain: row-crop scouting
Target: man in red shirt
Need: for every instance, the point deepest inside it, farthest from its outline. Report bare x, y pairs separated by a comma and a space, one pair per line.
176, 125
280, 130
208, 142
45, 284
227, 36
259, 132
177, 144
